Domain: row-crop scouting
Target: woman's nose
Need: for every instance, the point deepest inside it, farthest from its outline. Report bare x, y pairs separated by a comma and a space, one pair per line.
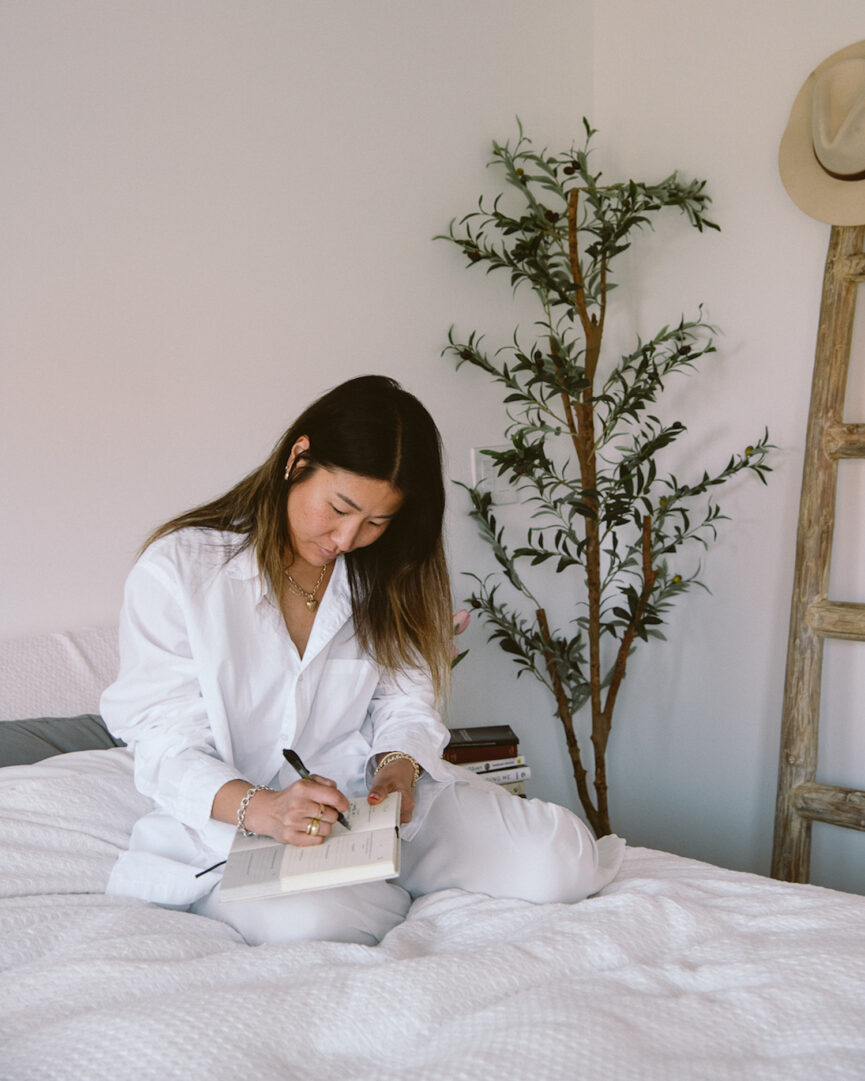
345, 535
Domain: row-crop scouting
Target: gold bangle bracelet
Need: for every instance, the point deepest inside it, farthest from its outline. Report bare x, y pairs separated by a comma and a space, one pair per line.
394, 756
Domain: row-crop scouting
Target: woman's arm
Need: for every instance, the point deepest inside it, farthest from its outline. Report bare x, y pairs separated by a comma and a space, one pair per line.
404, 719
156, 706
284, 815
397, 776
156, 703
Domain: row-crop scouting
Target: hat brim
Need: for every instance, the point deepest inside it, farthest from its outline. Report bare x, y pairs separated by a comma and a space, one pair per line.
812, 189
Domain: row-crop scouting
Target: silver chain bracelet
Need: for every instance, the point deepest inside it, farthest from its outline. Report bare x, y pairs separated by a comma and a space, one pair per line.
244, 803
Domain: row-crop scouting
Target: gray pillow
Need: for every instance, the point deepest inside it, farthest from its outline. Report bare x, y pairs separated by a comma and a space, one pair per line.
23, 742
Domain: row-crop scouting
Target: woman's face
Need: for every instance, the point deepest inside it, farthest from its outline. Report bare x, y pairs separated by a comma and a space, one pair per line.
332, 511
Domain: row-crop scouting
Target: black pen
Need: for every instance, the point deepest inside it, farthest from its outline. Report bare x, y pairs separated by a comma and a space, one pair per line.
293, 759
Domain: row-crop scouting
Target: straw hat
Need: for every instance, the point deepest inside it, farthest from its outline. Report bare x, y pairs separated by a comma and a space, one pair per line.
822, 155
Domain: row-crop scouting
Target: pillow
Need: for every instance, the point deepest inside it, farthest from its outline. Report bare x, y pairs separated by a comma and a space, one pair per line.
23, 742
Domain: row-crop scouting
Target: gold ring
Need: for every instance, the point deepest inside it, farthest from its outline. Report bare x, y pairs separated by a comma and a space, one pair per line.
321, 810
312, 828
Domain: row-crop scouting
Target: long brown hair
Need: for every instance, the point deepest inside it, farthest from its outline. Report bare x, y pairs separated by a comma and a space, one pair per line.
400, 589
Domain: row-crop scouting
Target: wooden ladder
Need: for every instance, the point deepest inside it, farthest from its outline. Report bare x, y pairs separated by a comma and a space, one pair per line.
813, 617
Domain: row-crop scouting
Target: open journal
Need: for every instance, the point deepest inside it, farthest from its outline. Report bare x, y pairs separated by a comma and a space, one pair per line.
261, 867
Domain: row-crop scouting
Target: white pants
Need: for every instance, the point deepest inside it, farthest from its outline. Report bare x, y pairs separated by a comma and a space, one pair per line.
475, 836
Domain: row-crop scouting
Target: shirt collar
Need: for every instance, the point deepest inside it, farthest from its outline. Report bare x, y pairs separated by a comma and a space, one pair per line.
333, 613
335, 604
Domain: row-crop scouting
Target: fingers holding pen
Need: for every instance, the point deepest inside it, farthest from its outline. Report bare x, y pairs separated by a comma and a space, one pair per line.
321, 790
296, 762
302, 814
319, 804
320, 816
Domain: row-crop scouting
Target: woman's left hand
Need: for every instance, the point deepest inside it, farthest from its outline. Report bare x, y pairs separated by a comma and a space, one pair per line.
395, 777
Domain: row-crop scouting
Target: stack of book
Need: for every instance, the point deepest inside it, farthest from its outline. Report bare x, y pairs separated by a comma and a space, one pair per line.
491, 751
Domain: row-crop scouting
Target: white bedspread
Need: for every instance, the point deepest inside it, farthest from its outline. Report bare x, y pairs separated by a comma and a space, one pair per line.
679, 970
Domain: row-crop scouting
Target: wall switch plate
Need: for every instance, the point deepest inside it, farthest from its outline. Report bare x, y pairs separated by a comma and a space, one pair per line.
484, 475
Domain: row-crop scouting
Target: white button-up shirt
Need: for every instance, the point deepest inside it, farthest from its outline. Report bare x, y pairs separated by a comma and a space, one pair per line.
212, 688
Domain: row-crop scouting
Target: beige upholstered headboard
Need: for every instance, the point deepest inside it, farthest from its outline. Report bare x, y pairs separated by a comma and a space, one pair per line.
60, 674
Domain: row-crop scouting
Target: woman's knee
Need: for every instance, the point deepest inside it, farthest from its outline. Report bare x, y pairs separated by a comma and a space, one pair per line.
542, 852
483, 839
559, 859
360, 914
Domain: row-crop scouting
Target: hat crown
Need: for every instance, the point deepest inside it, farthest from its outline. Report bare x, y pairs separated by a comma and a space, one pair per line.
838, 118
822, 152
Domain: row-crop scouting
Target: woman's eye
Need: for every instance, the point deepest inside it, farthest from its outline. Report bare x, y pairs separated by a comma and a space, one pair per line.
336, 510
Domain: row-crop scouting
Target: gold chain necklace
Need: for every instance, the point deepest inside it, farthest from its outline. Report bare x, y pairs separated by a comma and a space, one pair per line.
299, 591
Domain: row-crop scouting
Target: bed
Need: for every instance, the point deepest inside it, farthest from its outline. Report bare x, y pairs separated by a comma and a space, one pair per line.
677, 970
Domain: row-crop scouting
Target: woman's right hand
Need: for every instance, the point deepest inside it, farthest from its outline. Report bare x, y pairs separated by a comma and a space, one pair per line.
302, 814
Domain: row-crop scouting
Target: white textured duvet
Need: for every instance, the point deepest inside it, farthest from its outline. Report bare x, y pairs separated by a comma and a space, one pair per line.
679, 970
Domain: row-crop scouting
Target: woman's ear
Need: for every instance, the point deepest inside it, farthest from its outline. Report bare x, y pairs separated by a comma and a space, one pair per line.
301, 446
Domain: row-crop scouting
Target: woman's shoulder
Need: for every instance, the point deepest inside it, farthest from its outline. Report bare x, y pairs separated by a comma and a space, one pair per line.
193, 551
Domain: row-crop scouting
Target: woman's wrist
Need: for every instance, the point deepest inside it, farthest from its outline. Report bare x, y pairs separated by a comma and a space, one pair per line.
392, 757
239, 803
251, 793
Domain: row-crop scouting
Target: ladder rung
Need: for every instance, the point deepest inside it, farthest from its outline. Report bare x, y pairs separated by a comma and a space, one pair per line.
832, 804
838, 619
854, 267
844, 440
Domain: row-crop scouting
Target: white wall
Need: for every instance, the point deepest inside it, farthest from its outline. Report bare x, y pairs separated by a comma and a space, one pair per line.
707, 88
215, 210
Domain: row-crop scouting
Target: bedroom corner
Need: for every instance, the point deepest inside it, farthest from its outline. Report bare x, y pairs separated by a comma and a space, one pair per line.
213, 213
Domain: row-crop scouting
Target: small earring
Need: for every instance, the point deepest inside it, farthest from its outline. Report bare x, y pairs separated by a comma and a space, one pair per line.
287, 472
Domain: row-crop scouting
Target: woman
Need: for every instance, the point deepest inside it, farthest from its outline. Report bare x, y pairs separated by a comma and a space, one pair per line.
309, 608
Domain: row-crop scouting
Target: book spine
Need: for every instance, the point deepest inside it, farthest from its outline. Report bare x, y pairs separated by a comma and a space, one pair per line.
507, 776
516, 788
460, 755
495, 763
485, 735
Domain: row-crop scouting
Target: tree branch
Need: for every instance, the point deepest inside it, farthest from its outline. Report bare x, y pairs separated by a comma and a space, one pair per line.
565, 716
574, 259
649, 576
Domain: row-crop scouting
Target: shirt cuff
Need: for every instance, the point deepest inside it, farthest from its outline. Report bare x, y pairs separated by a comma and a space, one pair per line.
197, 788
419, 750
